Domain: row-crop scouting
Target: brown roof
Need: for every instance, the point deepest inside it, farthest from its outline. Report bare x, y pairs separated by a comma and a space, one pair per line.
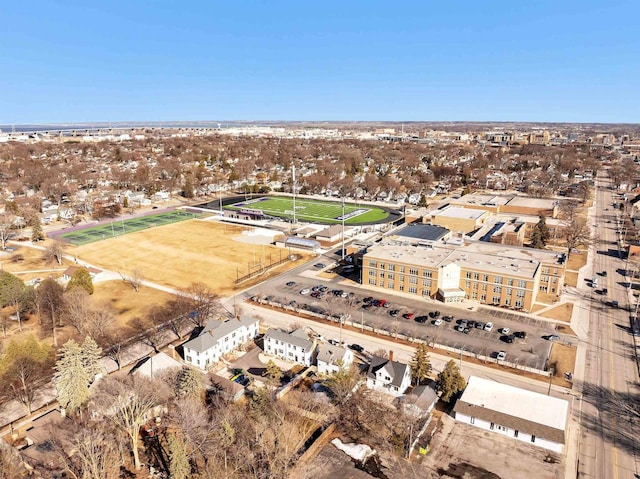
72, 269
512, 422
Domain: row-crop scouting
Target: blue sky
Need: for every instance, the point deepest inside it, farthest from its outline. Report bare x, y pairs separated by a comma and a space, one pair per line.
566, 60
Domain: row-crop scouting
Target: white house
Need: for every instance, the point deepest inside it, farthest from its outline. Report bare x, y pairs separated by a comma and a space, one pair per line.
331, 358
154, 365
388, 376
294, 346
523, 415
218, 338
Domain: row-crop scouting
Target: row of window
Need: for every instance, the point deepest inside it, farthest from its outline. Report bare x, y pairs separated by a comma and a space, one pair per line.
400, 269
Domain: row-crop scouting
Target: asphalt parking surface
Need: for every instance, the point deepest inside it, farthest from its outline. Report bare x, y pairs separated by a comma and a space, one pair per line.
531, 351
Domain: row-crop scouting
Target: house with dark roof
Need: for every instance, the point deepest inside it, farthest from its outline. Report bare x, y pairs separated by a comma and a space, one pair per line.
390, 377
514, 412
333, 358
294, 346
218, 338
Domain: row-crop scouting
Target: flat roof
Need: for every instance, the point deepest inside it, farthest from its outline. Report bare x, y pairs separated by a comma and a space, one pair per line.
483, 199
521, 403
531, 202
459, 212
480, 256
423, 232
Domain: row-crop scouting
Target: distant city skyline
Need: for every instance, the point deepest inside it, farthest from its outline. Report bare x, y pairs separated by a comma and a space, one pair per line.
569, 61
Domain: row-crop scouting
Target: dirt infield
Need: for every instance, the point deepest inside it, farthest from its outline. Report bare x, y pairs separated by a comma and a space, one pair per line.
179, 254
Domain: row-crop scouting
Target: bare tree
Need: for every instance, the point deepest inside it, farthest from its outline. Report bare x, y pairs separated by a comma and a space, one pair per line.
204, 303
577, 232
55, 251
6, 225
50, 303
77, 309
134, 278
129, 403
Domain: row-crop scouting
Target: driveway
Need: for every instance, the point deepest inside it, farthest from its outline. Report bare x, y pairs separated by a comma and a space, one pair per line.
251, 363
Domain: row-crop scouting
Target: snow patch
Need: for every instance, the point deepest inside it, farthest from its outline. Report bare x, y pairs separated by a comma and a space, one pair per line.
359, 452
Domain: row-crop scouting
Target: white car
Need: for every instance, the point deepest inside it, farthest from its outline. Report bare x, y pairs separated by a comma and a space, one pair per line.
505, 330
501, 356
437, 322
488, 326
305, 291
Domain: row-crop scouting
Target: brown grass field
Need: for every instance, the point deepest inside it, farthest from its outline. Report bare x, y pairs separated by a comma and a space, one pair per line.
32, 265
563, 359
125, 302
179, 254
562, 312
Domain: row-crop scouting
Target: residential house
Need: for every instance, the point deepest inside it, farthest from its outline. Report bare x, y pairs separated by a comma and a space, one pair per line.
218, 338
524, 415
153, 365
68, 273
294, 346
388, 376
332, 358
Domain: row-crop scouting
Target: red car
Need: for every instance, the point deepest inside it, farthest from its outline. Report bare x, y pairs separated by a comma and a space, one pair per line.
408, 315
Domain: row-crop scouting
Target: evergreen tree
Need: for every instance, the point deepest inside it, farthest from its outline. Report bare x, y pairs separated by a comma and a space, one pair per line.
71, 378
81, 278
273, 374
423, 201
540, 234
450, 382
36, 229
420, 364
91, 355
189, 383
179, 467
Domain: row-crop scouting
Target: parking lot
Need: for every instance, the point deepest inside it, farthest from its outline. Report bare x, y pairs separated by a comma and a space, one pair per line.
416, 317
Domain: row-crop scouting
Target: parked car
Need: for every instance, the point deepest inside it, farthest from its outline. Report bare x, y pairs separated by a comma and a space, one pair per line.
508, 338
488, 326
505, 330
501, 356
448, 319
357, 348
319, 265
291, 283
604, 273
604, 291
304, 291
471, 324
421, 319
394, 312
552, 337
479, 325
408, 315
461, 328
615, 304
367, 300
520, 334
437, 322
434, 314
380, 303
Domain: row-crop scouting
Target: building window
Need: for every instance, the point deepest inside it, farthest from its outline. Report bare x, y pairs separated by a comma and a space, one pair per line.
402, 279
468, 275
381, 265
401, 269
483, 298
519, 304
485, 277
507, 302
467, 284
492, 426
426, 282
484, 287
522, 284
510, 282
474, 295
373, 264
497, 279
391, 267
390, 285
413, 271
476, 276
509, 291
372, 281
390, 275
515, 433
382, 274
372, 272
412, 289
401, 288
497, 289
533, 438
495, 300
426, 274
520, 293
413, 280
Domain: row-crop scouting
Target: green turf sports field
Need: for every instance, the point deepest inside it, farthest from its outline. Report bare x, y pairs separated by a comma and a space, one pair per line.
120, 227
312, 210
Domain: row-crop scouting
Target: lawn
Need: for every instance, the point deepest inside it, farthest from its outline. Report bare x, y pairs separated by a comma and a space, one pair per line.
563, 360
29, 263
562, 312
577, 261
312, 210
125, 302
121, 227
571, 278
179, 254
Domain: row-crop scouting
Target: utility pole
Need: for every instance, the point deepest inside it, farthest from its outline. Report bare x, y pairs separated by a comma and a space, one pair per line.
343, 228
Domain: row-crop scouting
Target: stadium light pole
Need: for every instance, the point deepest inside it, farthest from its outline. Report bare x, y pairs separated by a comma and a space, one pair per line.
343, 228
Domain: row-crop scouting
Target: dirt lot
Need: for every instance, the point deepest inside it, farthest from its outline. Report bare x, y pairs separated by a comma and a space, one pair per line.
562, 312
125, 302
458, 451
179, 254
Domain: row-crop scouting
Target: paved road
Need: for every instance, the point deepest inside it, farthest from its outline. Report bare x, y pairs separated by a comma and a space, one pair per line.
609, 442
